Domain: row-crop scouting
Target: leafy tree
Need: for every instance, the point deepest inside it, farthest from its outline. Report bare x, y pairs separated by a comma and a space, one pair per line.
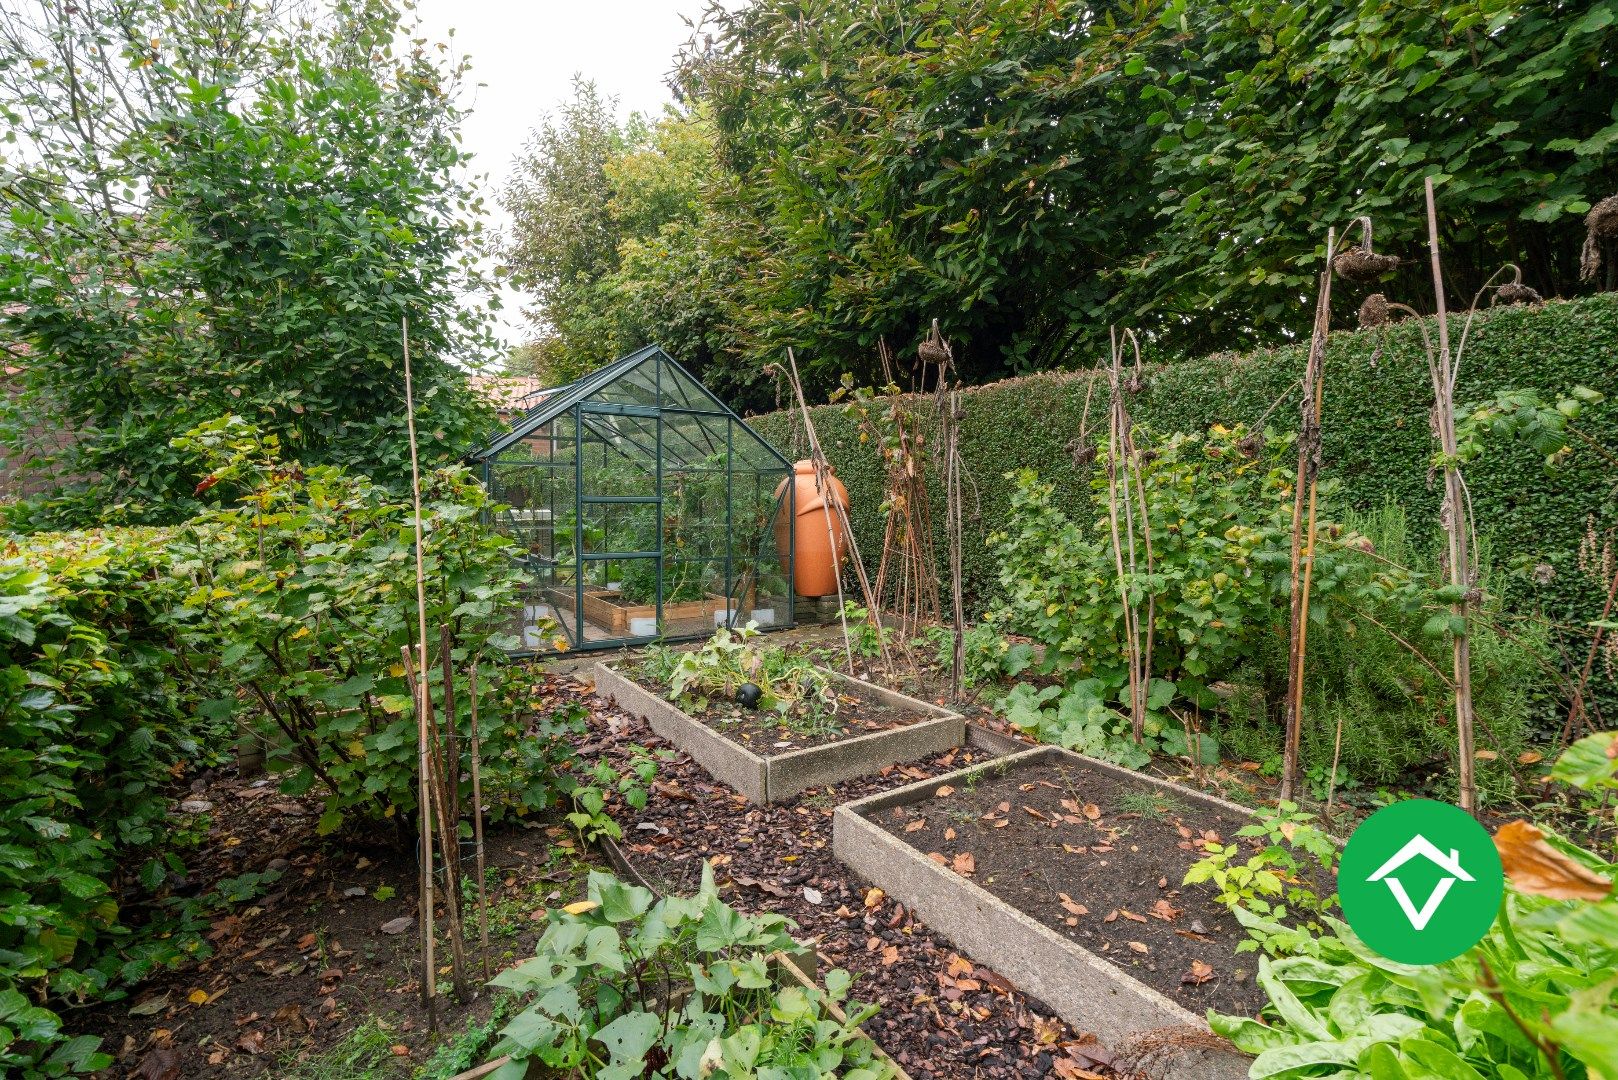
626, 234
1028, 171
1277, 120
218, 210
564, 239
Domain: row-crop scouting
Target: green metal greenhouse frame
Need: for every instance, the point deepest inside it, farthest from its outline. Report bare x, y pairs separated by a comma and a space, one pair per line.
643, 509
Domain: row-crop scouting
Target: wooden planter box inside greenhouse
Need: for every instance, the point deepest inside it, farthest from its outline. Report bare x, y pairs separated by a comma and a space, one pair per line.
601, 609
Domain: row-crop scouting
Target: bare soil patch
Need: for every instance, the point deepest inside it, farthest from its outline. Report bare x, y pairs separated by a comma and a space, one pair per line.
1076, 850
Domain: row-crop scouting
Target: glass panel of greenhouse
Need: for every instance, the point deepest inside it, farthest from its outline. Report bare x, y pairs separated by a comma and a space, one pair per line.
641, 509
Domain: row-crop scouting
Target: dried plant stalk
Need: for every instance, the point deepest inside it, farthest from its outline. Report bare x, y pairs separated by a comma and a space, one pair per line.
1304, 496
1118, 496
424, 815
1462, 571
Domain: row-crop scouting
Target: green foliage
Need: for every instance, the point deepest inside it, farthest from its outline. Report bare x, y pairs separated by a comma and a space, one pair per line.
866, 635
1297, 859
1379, 666
1375, 443
95, 707
231, 213
618, 229
1030, 172
622, 986
312, 595
990, 657
1534, 998
793, 687
1219, 507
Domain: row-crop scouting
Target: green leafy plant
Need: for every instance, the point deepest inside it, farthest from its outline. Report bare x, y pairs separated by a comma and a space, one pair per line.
793, 687
1283, 876
105, 699
865, 634
990, 657
263, 269
312, 595
623, 985
1218, 507
1533, 999
589, 793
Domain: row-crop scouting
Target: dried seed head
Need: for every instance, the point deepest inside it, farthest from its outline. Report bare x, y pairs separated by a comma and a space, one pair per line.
1515, 293
1362, 264
1602, 220
1601, 225
933, 348
1251, 446
1374, 312
1544, 573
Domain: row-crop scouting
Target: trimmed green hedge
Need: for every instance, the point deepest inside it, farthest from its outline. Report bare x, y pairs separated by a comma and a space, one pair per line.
1376, 436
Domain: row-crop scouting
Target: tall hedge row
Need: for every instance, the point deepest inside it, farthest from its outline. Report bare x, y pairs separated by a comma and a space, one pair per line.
1376, 436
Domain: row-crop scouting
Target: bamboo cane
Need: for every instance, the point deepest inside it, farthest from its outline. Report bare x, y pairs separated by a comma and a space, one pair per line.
424, 813
452, 739
448, 838
1455, 525
474, 738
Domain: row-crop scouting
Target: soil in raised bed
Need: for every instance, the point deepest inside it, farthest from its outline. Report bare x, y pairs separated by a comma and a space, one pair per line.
943, 1016
768, 733
1066, 846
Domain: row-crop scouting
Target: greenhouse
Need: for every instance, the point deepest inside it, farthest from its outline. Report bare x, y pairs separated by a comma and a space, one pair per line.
642, 508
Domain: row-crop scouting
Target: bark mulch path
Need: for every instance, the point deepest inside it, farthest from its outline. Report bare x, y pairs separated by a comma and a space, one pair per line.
333, 944
1063, 846
943, 1015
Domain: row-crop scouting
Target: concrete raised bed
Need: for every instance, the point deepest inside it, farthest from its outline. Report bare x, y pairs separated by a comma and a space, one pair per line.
766, 779
1086, 990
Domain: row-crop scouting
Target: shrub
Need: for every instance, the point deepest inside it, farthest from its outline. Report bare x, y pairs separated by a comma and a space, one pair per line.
1376, 442
1377, 666
316, 597
98, 683
1220, 515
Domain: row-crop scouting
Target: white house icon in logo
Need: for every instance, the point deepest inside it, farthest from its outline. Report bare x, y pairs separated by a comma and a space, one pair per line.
1450, 864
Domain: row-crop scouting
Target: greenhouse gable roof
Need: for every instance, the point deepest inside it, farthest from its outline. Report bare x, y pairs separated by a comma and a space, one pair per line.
558, 401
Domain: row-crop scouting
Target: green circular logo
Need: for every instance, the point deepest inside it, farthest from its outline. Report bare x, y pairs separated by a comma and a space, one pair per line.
1420, 881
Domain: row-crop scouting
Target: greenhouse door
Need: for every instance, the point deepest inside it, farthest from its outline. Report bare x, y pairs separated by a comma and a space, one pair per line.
618, 524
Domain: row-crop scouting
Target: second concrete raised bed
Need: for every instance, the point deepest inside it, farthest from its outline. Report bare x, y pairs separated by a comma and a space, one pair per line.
765, 779
1092, 994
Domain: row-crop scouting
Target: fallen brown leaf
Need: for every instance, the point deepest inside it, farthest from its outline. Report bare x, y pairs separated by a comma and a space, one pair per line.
964, 864
1199, 974
1139, 946
917, 825
1165, 911
1536, 868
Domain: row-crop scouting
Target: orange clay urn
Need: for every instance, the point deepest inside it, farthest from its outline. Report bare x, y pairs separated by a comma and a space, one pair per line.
819, 542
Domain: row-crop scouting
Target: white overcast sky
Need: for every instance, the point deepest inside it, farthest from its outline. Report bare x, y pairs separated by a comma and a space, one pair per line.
525, 55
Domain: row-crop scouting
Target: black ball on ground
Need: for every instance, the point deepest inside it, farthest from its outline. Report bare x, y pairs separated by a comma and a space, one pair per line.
748, 694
